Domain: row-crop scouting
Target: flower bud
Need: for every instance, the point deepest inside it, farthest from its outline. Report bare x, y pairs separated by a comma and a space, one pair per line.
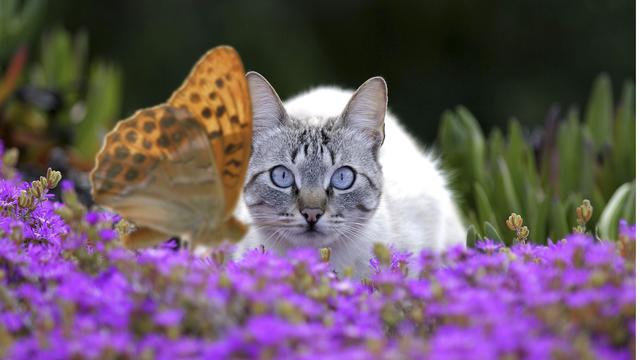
65, 212
382, 253
10, 157
522, 233
37, 189
514, 221
44, 182
579, 214
25, 201
325, 254
53, 178
16, 233
587, 210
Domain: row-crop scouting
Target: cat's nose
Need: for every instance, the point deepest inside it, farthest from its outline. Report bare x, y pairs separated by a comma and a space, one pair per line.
312, 215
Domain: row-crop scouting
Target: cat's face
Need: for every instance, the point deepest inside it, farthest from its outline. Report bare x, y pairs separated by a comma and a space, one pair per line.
313, 185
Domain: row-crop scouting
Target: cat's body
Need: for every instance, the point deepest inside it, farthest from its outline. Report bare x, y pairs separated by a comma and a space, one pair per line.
399, 196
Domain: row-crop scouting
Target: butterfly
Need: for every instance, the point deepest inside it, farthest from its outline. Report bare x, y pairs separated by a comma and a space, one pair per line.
177, 169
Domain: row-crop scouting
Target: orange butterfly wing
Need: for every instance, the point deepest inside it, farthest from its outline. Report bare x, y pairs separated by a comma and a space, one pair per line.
217, 94
178, 168
156, 168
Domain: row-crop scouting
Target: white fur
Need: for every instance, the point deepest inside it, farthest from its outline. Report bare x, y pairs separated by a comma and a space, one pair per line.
416, 209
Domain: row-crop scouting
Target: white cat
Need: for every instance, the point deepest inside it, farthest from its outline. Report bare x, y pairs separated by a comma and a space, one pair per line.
332, 168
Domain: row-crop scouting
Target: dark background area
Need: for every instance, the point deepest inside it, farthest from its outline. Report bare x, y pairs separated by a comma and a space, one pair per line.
501, 59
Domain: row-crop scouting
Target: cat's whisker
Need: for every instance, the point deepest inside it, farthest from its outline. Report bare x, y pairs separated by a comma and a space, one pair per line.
279, 237
358, 233
343, 235
274, 235
278, 224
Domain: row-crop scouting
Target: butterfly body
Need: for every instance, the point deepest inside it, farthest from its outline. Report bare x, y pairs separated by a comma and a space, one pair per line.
178, 168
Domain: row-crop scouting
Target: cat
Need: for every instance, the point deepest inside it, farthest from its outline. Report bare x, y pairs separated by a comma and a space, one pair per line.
332, 168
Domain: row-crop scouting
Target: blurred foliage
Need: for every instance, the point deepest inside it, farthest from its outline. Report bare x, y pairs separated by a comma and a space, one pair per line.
18, 22
499, 58
61, 99
545, 179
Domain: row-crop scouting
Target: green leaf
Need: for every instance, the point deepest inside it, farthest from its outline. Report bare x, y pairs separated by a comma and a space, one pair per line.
558, 219
629, 209
586, 165
59, 68
517, 156
612, 213
578, 160
505, 187
452, 139
102, 109
599, 114
496, 143
485, 211
570, 147
19, 21
490, 232
473, 219
536, 214
598, 203
623, 165
472, 236
475, 146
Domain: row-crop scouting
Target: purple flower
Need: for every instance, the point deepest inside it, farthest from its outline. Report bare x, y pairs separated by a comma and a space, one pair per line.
627, 230
92, 218
107, 235
69, 290
168, 317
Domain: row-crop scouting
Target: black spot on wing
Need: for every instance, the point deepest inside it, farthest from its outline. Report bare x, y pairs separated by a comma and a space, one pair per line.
139, 158
114, 170
106, 185
229, 174
231, 148
131, 136
168, 121
220, 110
149, 126
177, 136
163, 141
131, 174
121, 152
214, 134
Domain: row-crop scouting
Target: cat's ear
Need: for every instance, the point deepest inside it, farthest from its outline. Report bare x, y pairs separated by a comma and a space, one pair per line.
268, 111
367, 108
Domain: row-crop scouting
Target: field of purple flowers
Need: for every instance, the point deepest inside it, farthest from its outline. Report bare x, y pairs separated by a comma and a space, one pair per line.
68, 290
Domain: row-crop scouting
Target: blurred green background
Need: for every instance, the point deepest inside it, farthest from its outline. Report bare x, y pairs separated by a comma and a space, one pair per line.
499, 58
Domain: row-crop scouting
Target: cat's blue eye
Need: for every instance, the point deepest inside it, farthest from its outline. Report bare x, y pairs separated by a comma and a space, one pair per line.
343, 178
281, 176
